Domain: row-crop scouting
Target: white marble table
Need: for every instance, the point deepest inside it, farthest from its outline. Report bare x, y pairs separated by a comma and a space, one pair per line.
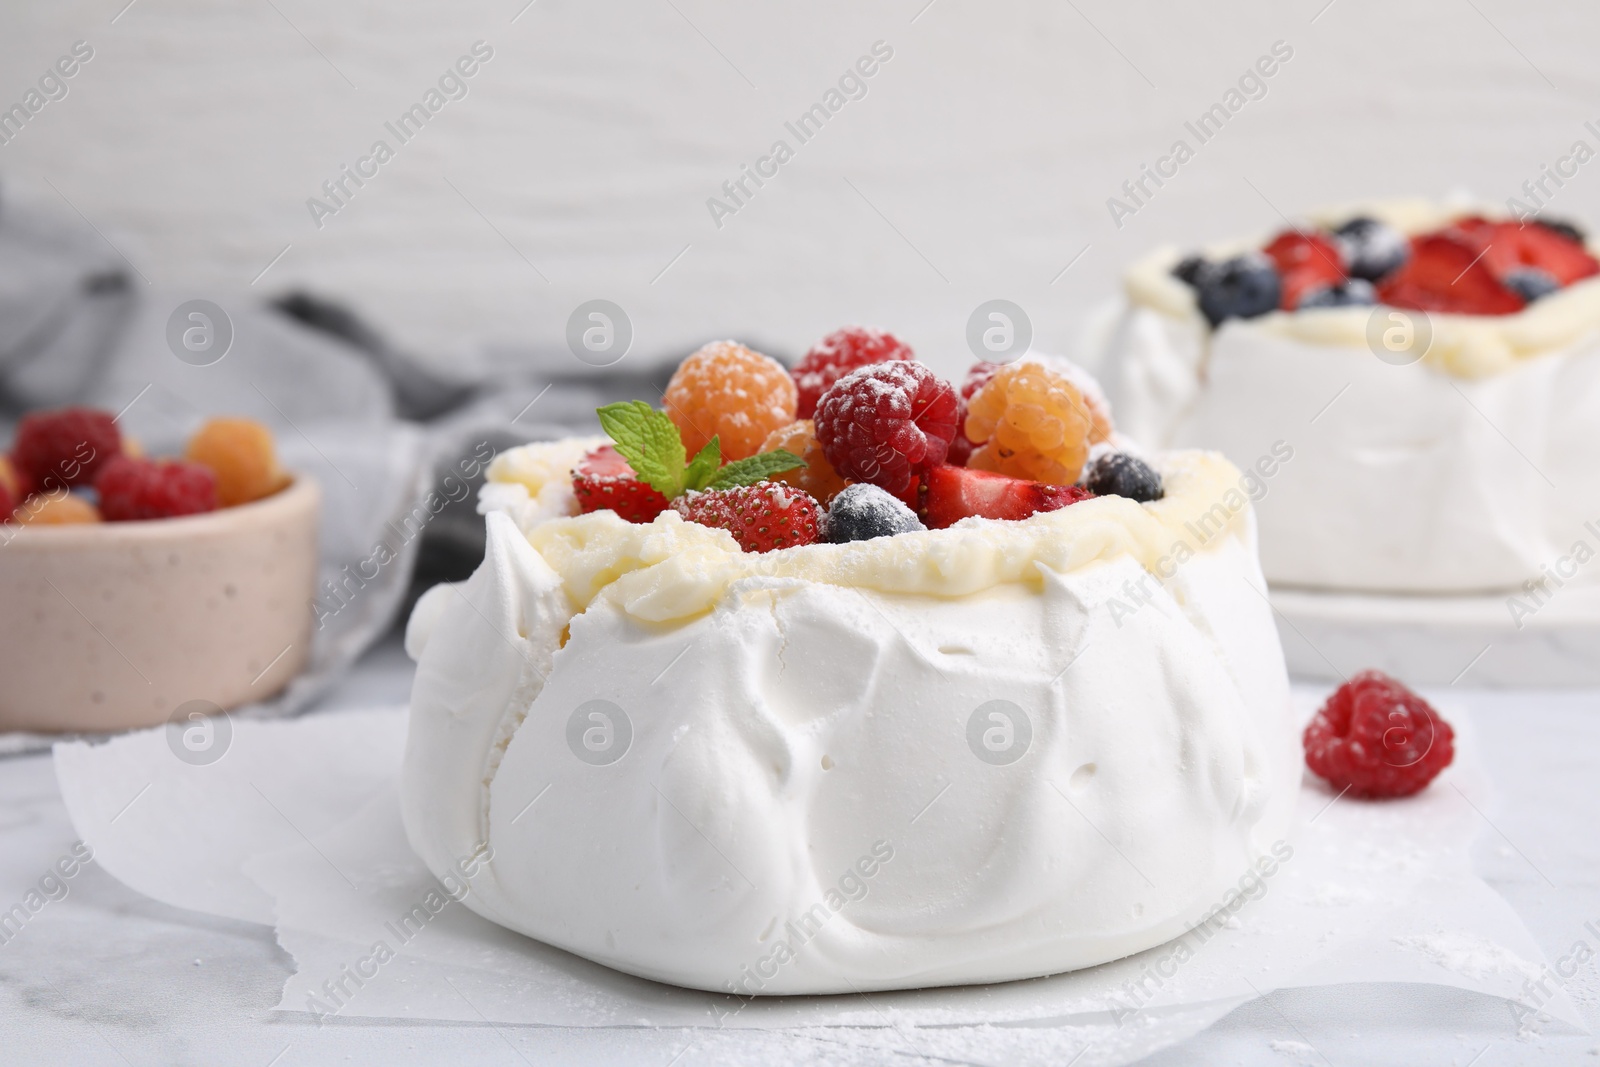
105, 976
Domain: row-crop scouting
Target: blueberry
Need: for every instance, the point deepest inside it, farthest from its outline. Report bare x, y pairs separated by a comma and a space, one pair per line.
1189, 269
1352, 292
1239, 288
1121, 474
862, 512
1531, 283
1566, 229
1371, 248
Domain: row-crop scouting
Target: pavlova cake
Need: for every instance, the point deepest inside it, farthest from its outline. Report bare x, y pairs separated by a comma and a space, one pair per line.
848, 679
1413, 388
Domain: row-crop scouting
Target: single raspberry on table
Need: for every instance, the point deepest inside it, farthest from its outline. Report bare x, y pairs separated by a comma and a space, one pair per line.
1034, 422
134, 489
8, 501
1378, 738
727, 391
66, 447
603, 479
883, 423
839, 353
817, 477
761, 517
240, 453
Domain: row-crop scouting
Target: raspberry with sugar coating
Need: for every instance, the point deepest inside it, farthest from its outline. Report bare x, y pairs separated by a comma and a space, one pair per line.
839, 353
727, 391
884, 423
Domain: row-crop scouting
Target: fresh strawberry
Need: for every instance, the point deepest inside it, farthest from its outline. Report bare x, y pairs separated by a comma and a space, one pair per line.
761, 517
1305, 262
603, 479
1511, 247
956, 493
1446, 273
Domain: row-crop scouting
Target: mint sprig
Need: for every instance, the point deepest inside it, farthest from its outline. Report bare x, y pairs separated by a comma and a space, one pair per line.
755, 469
649, 441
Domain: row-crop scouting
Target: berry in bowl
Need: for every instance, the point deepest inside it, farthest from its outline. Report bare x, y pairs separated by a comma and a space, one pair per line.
135, 586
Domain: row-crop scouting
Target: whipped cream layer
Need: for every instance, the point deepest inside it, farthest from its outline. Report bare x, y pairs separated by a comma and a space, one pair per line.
802, 802
1467, 472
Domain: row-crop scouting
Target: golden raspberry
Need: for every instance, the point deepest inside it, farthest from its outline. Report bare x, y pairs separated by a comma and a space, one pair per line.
55, 509
1033, 422
817, 477
727, 391
9, 478
240, 453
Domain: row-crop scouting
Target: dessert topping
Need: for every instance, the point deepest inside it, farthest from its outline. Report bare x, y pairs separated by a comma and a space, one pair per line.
1123, 474
727, 391
761, 517
603, 479
863, 512
956, 493
1034, 423
885, 422
836, 355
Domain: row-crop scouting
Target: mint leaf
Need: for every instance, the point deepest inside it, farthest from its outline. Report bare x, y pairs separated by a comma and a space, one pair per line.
649, 441
704, 465
755, 469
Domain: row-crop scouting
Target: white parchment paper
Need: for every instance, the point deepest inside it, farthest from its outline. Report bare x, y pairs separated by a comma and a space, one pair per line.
298, 826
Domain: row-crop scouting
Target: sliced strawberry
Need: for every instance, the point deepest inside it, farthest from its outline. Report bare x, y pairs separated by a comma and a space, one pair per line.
603, 479
1445, 273
1304, 262
956, 493
1509, 247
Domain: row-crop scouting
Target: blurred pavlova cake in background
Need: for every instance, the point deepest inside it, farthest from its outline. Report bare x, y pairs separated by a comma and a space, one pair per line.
1416, 385
877, 721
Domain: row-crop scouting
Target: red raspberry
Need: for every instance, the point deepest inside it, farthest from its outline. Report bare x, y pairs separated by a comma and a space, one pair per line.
133, 489
603, 479
883, 423
8, 502
1378, 738
66, 447
761, 517
977, 377
836, 355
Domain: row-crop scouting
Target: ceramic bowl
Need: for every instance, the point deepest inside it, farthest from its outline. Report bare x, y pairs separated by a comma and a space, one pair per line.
112, 626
